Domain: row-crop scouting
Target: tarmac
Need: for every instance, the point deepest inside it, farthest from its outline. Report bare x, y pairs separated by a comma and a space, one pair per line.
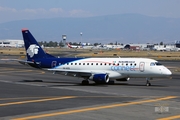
27, 94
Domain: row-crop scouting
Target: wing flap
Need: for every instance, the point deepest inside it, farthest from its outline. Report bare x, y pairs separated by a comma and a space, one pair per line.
75, 73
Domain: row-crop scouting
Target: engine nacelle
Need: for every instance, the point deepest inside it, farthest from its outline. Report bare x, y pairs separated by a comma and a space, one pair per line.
123, 79
100, 78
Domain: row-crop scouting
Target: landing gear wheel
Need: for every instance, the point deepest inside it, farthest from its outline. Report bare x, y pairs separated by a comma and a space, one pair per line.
111, 82
148, 83
85, 82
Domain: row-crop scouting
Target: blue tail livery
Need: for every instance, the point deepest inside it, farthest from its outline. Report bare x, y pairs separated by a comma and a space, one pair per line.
33, 49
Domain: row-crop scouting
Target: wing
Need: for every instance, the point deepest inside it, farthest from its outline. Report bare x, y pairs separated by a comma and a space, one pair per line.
75, 73
85, 73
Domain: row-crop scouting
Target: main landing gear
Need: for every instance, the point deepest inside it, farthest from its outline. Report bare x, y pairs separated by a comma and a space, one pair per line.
148, 82
85, 82
111, 82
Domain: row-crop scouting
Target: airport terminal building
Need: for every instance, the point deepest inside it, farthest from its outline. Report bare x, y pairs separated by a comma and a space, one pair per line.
11, 43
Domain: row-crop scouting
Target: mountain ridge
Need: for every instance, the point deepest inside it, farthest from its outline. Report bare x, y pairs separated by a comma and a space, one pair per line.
129, 28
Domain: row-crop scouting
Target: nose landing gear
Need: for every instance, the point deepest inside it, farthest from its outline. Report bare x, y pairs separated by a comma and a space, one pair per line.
148, 82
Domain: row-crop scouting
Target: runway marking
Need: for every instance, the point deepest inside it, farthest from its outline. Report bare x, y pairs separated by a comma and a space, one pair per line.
18, 98
40, 100
7, 69
170, 118
93, 108
24, 71
16, 71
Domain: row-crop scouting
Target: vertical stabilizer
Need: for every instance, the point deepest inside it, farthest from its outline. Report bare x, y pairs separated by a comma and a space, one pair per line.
33, 49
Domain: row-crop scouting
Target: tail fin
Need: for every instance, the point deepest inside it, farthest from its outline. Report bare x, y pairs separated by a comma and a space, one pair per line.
69, 45
33, 49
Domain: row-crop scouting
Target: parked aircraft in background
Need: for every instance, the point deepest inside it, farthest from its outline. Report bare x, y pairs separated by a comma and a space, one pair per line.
99, 70
74, 46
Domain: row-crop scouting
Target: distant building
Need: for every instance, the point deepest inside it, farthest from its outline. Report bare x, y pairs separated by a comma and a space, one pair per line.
11, 43
142, 46
167, 47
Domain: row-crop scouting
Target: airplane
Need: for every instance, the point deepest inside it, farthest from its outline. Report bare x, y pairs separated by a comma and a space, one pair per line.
99, 70
73, 46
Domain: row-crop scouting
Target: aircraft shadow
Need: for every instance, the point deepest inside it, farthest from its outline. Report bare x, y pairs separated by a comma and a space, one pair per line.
69, 83
63, 83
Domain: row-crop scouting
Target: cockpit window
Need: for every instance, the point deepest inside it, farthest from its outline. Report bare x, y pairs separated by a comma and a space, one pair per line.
157, 63
152, 64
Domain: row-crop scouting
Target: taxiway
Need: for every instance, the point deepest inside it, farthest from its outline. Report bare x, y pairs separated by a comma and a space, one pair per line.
27, 93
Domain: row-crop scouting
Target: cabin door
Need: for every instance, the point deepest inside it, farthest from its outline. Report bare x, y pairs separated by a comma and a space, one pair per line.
53, 64
141, 66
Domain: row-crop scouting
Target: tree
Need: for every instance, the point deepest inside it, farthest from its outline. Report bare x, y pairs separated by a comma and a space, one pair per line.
40, 43
161, 43
95, 44
61, 44
116, 43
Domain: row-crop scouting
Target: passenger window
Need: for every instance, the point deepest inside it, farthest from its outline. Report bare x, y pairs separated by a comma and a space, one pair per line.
104, 63
91, 63
100, 63
75, 63
83, 63
79, 63
96, 63
87, 63
71, 63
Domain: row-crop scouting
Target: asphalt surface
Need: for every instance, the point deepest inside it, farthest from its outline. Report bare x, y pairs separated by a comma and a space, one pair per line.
28, 93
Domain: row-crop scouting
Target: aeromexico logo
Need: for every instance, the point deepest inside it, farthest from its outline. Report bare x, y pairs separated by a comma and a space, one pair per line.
32, 50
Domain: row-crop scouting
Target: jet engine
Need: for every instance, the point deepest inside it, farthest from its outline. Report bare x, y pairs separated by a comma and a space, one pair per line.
123, 79
100, 78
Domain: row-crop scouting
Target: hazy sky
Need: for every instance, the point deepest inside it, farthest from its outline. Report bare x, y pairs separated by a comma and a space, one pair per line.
33, 9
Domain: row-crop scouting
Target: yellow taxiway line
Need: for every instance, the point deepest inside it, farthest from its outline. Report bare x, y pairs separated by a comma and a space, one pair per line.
15, 71
40, 100
170, 118
19, 98
94, 108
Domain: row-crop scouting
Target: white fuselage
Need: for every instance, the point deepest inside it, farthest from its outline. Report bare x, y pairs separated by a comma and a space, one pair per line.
117, 68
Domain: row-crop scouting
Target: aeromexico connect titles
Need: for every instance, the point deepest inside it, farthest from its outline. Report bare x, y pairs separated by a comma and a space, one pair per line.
99, 70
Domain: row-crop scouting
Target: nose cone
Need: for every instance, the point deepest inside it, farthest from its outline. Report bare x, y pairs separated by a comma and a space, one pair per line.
168, 72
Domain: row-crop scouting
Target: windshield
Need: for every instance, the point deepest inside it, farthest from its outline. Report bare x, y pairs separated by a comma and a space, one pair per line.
155, 64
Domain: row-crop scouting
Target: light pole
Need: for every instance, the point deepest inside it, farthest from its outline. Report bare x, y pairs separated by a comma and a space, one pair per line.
81, 37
